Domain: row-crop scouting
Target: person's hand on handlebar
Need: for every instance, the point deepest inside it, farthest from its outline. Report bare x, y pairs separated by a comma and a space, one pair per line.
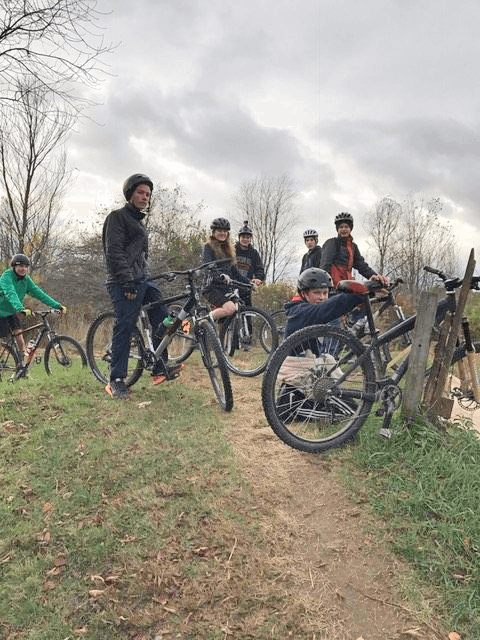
379, 278
256, 282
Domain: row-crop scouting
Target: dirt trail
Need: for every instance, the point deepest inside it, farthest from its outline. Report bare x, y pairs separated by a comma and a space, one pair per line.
322, 541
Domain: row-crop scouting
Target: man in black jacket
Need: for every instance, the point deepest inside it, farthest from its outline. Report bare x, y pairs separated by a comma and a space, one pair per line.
314, 254
125, 245
249, 262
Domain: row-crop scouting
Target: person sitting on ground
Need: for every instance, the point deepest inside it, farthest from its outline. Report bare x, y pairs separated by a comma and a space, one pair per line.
312, 306
340, 254
249, 262
219, 246
15, 284
314, 254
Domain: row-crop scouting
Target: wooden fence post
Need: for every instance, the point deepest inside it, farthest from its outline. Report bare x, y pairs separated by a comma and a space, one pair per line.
415, 376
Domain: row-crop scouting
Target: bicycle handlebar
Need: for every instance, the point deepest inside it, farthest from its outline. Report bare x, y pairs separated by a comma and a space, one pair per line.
171, 275
453, 283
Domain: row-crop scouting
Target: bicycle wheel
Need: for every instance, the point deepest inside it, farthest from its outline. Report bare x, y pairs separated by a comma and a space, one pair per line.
214, 361
8, 360
459, 383
99, 350
183, 342
280, 319
248, 341
316, 391
64, 352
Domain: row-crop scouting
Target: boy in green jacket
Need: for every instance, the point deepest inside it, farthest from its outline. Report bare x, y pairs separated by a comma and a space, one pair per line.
15, 284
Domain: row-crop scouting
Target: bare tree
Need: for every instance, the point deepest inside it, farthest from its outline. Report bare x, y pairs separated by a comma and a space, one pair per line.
57, 42
33, 171
269, 206
416, 238
175, 232
383, 222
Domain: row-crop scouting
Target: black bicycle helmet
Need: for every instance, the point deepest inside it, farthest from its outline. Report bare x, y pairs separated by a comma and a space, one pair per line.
132, 182
245, 230
314, 278
310, 233
220, 223
19, 258
344, 217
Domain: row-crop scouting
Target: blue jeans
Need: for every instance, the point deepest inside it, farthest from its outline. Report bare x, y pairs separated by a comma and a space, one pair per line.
126, 314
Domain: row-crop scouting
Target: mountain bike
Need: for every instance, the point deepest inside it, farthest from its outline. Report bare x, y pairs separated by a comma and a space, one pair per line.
248, 337
321, 383
61, 352
200, 336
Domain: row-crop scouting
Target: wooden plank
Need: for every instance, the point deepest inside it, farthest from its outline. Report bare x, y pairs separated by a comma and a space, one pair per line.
415, 376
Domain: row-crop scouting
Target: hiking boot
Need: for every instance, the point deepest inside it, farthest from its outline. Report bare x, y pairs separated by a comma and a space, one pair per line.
171, 374
117, 389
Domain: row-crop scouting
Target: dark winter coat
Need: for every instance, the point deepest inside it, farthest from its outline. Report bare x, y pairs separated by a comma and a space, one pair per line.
249, 262
312, 258
228, 268
125, 244
301, 313
335, 252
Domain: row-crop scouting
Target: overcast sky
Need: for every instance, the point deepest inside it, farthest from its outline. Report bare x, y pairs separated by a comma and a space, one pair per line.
354, 100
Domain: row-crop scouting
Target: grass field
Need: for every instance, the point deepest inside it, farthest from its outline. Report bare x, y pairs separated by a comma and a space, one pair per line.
119, 519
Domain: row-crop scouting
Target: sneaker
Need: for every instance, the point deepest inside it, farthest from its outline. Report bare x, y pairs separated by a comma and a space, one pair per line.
171, 374
117, 389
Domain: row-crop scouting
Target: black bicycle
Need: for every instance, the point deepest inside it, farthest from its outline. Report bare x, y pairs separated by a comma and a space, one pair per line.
61, 352
322, 382
248, 337
190, 329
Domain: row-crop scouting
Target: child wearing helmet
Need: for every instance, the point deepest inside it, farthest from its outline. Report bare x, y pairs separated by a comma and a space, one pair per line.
249, 262
340, 254
312, 305
314, 254
15, 284
219, 246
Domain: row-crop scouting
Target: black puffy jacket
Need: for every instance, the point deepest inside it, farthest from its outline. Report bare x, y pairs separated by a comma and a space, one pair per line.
125, 245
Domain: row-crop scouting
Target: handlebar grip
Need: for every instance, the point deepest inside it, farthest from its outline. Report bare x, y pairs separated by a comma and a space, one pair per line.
435, 272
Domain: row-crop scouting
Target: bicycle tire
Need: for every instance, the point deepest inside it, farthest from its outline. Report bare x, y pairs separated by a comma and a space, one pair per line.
183, 341
249, 340
297, 395
214, 361
280, 319
9, 361
66, 352
98, 350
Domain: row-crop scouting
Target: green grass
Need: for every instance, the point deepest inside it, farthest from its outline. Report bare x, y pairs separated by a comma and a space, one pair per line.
425, 484
119, 519
98, 495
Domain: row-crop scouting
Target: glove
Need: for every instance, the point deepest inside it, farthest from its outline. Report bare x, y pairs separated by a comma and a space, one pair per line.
26, 312
63, 309
226, 278
129, 291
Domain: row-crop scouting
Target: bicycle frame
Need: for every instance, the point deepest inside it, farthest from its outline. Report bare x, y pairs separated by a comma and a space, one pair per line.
388, 386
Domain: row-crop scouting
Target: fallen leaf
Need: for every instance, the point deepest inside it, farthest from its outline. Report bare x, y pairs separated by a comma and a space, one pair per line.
81, 631
142, 405
95, 593
49, 584
413, 633
54, 571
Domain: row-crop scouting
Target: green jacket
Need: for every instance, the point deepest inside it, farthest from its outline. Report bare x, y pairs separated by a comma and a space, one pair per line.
14, 289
